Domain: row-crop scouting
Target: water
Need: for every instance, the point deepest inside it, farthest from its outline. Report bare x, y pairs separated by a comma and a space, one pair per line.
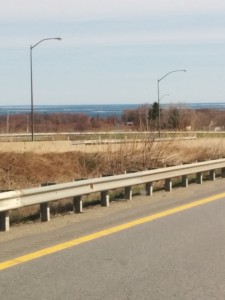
91, 110
97, 110
200, 105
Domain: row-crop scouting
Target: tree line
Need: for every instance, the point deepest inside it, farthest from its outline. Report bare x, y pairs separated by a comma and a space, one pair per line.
142, 118
174, 117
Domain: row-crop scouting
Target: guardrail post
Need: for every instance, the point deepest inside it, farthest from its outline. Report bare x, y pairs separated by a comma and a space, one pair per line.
77, 204
223, 172
105, 198
4, 221
128, 192
212, 175
149, 188
168, 185
45, 212
199, 178
185, 181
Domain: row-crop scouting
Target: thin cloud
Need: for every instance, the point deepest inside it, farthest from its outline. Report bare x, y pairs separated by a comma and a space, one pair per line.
101, 9
179, 37
126, 39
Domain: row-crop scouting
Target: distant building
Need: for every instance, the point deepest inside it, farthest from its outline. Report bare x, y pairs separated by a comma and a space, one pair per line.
129, 123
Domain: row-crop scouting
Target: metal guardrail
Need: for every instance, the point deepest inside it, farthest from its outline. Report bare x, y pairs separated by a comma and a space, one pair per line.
96, 137
125, 140
43, 195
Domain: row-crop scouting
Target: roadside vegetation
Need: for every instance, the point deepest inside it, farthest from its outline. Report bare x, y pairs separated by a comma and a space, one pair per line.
143, 118
24, 170
29, 169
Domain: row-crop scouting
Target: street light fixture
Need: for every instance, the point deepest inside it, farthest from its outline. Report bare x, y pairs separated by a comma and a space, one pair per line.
163, 96
31, 81
158, 81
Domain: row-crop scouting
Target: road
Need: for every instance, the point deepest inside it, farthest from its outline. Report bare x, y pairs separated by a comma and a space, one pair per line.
169, 246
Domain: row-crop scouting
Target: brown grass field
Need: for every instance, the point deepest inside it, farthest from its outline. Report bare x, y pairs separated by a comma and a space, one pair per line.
27, 164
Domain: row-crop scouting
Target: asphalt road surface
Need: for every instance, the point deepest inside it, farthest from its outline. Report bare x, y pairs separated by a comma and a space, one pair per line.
169, 246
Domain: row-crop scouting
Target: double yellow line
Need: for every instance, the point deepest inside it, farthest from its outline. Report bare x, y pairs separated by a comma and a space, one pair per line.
46, 251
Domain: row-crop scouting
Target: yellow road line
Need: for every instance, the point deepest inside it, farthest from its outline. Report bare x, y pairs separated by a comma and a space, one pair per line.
37, 254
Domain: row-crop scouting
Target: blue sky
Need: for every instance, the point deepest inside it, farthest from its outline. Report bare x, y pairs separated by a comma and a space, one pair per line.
112, 51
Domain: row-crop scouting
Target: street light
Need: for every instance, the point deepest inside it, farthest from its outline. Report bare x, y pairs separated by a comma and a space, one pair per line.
158, 81
163, 96
31, 81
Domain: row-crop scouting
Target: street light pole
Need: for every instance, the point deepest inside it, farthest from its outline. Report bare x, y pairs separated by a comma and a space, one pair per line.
158, 81
31, 82
32, 101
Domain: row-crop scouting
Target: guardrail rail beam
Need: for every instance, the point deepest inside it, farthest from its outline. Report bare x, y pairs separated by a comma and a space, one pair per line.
44, 195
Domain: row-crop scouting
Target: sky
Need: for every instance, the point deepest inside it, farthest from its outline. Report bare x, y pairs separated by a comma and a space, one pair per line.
112, 51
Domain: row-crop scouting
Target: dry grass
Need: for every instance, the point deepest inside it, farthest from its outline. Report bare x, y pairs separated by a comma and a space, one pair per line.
23, 170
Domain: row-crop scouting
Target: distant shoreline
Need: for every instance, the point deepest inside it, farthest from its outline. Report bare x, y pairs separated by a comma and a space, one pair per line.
101, 110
